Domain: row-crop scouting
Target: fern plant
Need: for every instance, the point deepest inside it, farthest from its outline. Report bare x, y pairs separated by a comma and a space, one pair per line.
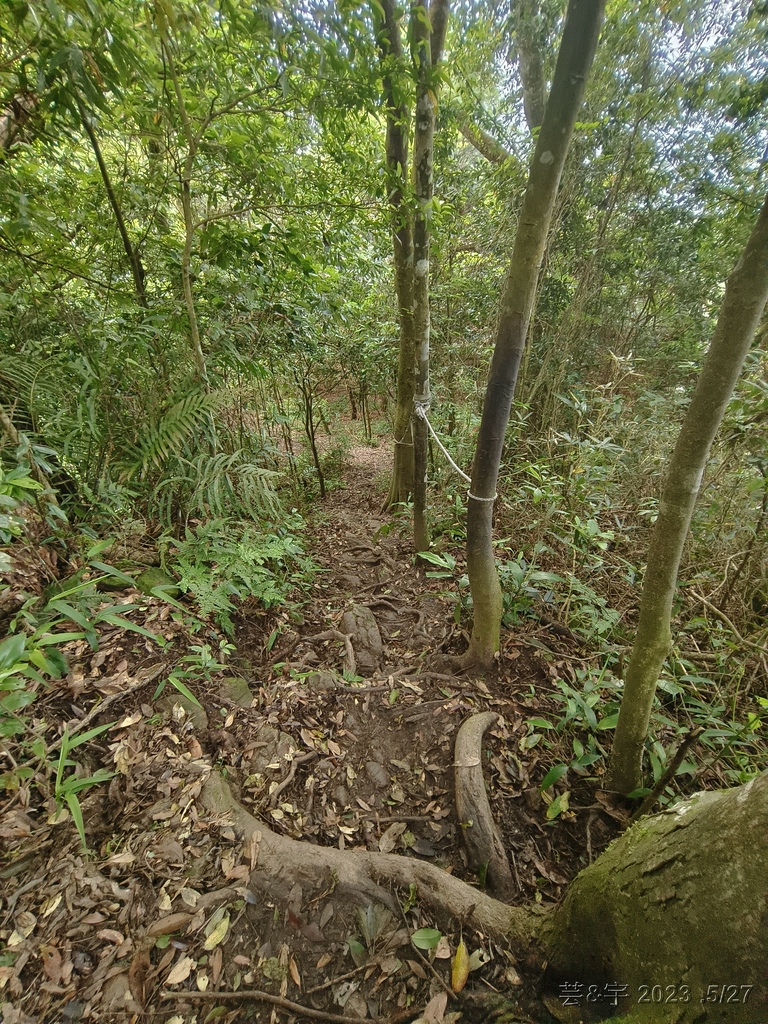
167, 437
223, 561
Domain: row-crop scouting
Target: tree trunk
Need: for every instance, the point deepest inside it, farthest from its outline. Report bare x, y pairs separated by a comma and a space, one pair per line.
577, 51
18, 111
390, 47
743, 304
530, 63
484, 143
675, 910
427, 40
411, 239
134, 260
185, 179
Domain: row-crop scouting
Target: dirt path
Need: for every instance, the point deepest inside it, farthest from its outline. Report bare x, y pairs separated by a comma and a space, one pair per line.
361, 759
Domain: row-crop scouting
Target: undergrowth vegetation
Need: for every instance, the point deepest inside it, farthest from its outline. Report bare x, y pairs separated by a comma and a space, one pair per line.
191, 348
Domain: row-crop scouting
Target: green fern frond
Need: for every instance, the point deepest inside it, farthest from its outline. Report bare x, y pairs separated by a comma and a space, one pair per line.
165, 438
228, 482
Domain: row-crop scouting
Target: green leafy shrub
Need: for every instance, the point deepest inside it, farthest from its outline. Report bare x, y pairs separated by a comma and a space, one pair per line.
223, 561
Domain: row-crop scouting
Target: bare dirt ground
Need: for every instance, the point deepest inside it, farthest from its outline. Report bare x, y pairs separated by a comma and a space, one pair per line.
334, 743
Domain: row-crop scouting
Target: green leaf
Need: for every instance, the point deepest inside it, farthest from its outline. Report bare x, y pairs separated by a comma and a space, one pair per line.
540, 723
70, 613
184, 690
426, 938
75, 785
609, 722
77, 816
553, 775
558, 805
12, 649
111, 571
119, 620
58, 638
83, 737
357, 951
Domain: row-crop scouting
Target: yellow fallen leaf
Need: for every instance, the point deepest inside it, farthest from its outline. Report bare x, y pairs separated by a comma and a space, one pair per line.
217, 934
460, 968
51, 904
181, 971
294, 970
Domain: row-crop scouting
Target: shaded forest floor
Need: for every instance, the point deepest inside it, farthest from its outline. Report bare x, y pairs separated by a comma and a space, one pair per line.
157, 919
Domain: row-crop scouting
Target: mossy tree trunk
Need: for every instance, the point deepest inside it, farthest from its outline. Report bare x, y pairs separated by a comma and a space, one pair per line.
675, 914
577, 50
398, 117
743, 305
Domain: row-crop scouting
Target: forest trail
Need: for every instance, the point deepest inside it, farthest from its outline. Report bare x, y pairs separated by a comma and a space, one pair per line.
357, 759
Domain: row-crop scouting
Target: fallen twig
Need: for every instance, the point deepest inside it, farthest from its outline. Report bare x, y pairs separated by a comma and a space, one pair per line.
346, 638
668, 775
287, 1004
290, 776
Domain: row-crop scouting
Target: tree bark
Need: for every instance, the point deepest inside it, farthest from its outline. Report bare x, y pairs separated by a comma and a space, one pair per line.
478, 829
678, 903
484, 143
577, 50
427, 39
530, 62
410, 235
398, 115
18, 111
744, 302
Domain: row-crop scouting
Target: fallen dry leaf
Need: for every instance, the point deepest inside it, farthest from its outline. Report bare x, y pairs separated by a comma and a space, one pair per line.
460, 967
217, 933
296, 977
434, 1012
52, 963
138, 973
181, 971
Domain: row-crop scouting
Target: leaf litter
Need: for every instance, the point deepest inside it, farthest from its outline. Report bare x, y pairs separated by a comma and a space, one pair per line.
159, 905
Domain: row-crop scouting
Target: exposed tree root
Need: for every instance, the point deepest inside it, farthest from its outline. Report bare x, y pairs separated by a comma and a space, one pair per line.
283, 862
481, 837
350, 663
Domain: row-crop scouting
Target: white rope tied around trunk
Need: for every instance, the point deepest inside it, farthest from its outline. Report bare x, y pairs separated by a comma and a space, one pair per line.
421, 405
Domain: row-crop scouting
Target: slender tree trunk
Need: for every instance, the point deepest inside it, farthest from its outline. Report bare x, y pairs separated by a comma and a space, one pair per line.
134, 260
484, 143
577, 50
186, 206
427, 40
530, 62
743, 305
410, 236
398, 116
